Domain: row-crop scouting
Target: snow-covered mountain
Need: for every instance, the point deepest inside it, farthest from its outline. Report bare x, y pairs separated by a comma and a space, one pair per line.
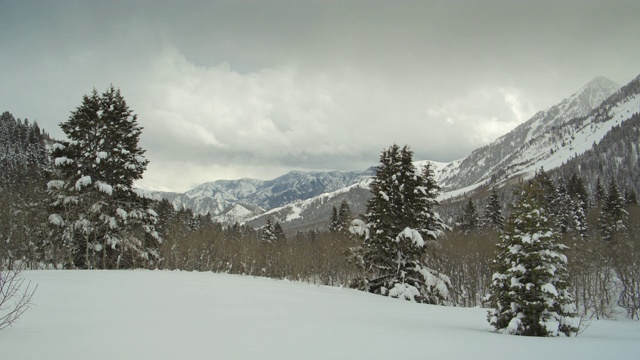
552, 137
549, 139
533, 142
236, 200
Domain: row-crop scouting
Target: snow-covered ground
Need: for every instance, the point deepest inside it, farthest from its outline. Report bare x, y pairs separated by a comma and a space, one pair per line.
184, 315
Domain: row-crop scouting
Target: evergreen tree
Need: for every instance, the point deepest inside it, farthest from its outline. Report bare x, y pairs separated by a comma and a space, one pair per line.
278, 232
599, 193
529, 293
344, 217
578, 192
545, 189
268, 234
561, 208
334, 222
492, 217
469, 219
97, 216
400, 217
630, 197
613, 214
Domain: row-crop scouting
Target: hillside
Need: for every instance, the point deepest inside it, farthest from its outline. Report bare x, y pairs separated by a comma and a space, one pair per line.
190, 315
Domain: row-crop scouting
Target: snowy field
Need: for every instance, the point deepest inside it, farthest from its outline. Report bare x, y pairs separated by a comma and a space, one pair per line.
182, 315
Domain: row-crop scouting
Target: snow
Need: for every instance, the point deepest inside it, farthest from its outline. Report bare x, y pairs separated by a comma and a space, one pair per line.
62, 160
104, 187
296, 212
158, 315
404, 291
56, 219
549, 289
82, 182
411, 234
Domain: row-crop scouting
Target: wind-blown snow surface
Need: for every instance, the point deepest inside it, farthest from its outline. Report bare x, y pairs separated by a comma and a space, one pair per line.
184, 315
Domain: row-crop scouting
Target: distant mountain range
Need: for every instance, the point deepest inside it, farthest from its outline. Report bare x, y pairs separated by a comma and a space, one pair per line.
551, 138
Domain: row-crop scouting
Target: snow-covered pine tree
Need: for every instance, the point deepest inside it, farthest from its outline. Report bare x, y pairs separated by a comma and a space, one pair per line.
613, 214
529, 293
401, 218
97, 216
492, 217
268, 235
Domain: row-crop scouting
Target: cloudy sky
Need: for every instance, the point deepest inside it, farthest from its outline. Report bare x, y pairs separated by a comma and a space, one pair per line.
230, 89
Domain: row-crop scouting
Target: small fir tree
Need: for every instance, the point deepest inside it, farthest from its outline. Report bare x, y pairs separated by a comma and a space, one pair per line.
613, 214
578, 192
529, 293
599, 194
344, 217
469, 220
492, 217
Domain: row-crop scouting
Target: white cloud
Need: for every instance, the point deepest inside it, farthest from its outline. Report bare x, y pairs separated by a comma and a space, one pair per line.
228, 124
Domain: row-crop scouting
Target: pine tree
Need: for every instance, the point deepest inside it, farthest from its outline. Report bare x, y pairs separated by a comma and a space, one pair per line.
630, 197
469, 219
278, 232
613, 214
561, 208
268, 234
492, 217
599, 193
98, 217
344, 217
578, 192
400, 217
529, 292
334, 222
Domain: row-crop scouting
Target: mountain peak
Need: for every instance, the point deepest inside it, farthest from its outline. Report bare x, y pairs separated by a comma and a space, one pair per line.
596, 91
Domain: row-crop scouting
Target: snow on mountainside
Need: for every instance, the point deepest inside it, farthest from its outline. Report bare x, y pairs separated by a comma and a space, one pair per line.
236, 200
305, 200
315, 212
530, 143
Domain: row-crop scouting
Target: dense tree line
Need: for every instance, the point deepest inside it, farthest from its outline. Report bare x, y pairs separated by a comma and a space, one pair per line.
24, 168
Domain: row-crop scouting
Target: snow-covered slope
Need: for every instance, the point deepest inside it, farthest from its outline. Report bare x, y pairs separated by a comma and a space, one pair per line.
159, 315
529, 144
315, 212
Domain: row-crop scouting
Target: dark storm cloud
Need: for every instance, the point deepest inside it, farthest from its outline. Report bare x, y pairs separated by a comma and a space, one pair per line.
229, 89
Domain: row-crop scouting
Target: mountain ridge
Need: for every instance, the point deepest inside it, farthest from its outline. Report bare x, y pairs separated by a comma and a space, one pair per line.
548, 139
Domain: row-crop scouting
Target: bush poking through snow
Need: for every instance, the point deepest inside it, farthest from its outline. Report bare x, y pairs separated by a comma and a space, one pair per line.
15, 297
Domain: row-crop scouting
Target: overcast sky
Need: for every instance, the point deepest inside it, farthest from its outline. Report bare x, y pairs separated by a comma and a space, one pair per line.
231, 89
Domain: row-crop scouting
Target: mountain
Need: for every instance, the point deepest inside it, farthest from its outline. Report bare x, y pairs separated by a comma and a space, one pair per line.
564, 133
559, 135
529, 143
235, 200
